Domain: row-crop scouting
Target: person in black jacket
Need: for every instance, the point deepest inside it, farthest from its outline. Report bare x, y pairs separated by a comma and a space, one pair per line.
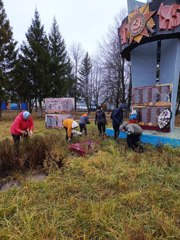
100, 120
117, 119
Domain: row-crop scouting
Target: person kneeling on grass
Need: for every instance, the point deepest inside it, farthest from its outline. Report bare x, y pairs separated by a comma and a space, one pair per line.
69, 124
22, 126
134, 133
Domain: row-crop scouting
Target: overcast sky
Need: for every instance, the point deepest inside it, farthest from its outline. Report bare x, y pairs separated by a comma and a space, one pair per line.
84, 21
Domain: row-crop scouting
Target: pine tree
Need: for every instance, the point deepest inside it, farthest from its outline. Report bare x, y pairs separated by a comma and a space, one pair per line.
7, 55
84, 80
61, 76
25, 93
35, 58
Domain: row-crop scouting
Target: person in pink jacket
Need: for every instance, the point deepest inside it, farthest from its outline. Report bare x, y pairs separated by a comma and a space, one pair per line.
23, 125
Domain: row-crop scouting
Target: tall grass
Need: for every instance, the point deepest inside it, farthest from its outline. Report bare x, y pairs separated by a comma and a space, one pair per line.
111, 194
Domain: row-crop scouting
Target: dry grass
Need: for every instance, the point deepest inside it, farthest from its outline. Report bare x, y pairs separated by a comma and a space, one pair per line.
112, 194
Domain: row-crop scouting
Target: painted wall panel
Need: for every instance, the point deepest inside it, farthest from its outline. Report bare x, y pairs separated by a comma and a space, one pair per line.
170, 69
143, 65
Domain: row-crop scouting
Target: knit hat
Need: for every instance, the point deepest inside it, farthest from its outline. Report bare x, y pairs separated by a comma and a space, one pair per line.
26, 114
123, 105
74, 124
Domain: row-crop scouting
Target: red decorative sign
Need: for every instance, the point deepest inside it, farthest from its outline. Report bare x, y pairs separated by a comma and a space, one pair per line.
150, 22
169, 16
140, 23
123, 34
137, 24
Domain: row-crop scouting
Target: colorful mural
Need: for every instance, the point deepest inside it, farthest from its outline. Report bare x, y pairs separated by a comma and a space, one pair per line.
58, 109
150, 102
59, 105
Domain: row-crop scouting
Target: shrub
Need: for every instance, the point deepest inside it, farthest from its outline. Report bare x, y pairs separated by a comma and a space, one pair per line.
33, 152
7, 160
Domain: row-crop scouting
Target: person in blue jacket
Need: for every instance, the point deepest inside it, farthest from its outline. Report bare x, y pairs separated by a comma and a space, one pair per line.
117, 116
83, 121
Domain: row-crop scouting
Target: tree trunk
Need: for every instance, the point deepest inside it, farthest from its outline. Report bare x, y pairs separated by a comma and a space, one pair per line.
75, 99
40, 107
0, 109
36, 105
30, 106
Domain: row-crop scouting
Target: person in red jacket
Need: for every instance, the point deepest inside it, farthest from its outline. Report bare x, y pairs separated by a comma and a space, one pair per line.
23, 125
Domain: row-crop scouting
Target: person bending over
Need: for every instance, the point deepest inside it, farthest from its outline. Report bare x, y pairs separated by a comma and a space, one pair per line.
69, 124
22, 126
134, 133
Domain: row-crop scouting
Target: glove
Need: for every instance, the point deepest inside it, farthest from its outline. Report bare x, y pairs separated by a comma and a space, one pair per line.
24, 133
30, 133
128, 131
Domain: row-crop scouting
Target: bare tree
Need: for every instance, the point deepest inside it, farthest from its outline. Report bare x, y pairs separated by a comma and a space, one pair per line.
115, 73
96, 82
76, 53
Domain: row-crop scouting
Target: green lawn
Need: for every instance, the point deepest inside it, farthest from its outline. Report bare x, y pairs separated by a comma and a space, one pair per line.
111, 194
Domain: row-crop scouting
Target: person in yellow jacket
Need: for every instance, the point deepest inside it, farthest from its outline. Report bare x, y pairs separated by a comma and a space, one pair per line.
68, 125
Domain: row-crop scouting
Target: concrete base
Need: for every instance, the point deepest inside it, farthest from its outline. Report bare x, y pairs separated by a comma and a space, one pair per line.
154, 137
